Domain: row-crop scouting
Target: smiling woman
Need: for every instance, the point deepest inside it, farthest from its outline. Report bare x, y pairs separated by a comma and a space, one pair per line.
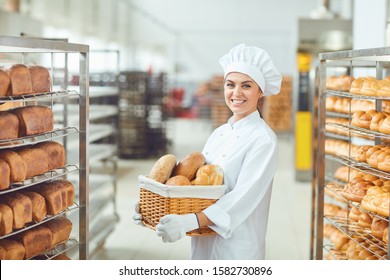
246, 149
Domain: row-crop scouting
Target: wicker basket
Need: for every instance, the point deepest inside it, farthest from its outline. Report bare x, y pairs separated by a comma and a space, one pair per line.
158, 200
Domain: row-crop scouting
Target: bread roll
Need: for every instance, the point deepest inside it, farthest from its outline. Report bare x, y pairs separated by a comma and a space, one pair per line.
20, 79
356, 86
178, 180
189, 165
384, 126
378, 226
365, 220
162, 169
376, 121
16, 164
34, 119
13, 250
6, 219
9, 124
40, 79
4, 82
5, 174
209, 174
385, 237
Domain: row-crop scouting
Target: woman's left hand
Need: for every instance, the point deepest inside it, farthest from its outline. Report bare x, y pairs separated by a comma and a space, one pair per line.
174, 227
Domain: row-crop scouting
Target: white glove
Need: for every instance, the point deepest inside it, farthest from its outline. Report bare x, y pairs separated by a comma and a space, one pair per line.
137, 217
173, 227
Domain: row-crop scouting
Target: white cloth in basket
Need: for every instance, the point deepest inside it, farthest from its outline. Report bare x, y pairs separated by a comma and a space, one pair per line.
207, 192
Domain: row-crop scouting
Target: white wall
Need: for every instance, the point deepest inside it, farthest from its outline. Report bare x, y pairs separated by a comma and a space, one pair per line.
220, 24
186, 37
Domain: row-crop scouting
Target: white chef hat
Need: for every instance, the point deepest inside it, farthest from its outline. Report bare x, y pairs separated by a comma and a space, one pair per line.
256, 63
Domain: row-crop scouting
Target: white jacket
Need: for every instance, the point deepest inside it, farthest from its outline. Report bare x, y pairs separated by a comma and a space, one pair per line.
247, 152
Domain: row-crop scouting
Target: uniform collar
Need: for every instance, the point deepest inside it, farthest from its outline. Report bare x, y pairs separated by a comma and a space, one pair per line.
243, 122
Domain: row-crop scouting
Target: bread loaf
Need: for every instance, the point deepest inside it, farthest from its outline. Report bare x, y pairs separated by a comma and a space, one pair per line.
178, 180
342, 83
162, 169
9, 124
21, 208
356, 86
5, 173
12, 249
35, 160
34, 120
376, 121
208, 174
6, 219
58, 195
378, 226
35, 240
4, 82
20, 80
377, 200
356, 189
60, 228
16, 164
385, 237
55, 153
384, 126
38, 205
189, 165
40, 79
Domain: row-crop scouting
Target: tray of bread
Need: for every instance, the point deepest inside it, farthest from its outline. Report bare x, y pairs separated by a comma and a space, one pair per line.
187, 186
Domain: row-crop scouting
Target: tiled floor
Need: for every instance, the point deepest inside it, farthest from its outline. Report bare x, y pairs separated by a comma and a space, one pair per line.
288, 236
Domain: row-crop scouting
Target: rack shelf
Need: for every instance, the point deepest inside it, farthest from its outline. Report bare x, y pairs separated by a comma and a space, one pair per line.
48, 53
327, 188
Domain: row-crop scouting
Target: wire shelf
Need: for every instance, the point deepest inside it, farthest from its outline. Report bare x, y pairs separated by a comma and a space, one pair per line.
48, 218
40, 96
57, 250
23, 141
355, 96
360, 131
360, 166
52, 174
355, 232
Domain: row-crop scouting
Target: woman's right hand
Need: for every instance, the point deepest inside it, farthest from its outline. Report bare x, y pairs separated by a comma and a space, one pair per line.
137, 217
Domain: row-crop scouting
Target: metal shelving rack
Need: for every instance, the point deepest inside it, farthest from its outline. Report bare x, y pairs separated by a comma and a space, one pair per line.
355, 61
104, 94
21, 50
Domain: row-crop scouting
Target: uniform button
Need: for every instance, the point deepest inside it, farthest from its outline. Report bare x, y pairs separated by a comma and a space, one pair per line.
238, 136
223, 155
221, 134
206, 153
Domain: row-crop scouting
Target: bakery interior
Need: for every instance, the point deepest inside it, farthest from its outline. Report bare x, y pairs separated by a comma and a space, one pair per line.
117, 84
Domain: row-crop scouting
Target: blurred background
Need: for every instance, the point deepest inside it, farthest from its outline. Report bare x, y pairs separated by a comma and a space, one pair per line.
155, 87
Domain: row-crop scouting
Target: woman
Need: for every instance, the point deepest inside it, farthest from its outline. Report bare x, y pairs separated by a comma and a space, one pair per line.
246, 148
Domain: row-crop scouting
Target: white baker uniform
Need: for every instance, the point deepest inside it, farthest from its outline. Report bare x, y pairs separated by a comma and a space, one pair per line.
247, 152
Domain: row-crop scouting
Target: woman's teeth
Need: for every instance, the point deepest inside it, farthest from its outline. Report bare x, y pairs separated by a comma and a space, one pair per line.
238, 101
